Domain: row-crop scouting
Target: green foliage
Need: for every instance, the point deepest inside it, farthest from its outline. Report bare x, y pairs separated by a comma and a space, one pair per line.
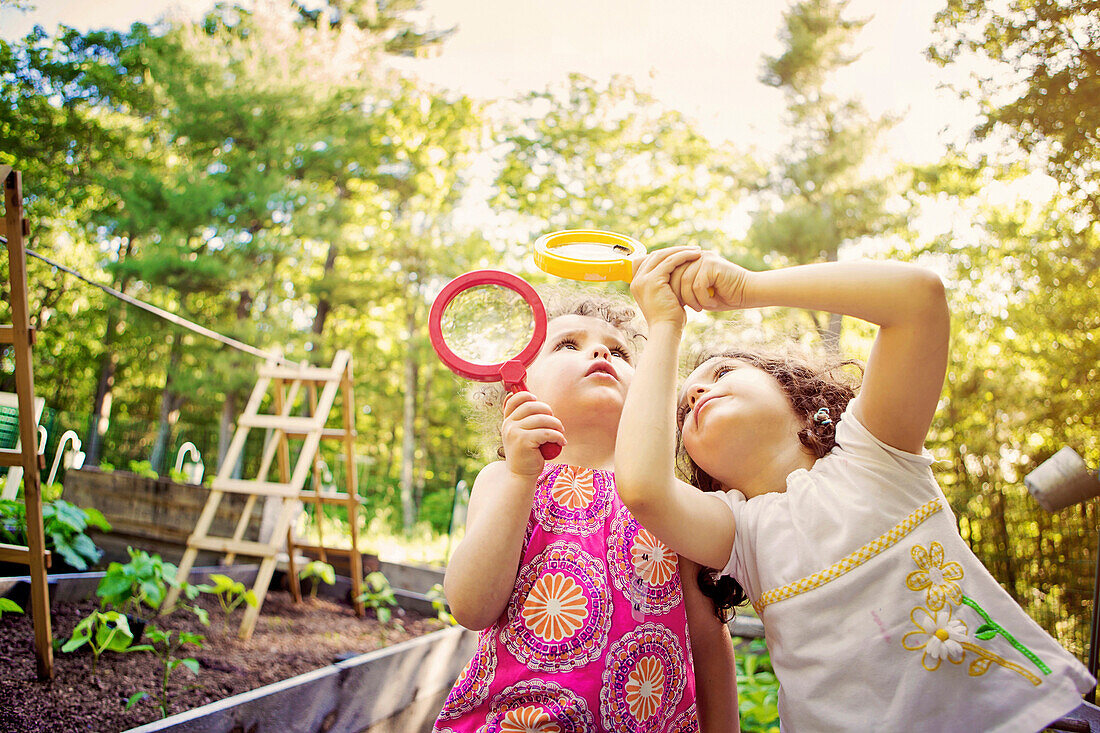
63, 525
757, 689
439, 604
7, 605
143, 581
1042, 87
319, 572
378, 595
231, 594
143, 468
168, 649
102, 631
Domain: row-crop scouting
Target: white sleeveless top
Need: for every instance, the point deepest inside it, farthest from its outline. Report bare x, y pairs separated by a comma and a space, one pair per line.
878, 617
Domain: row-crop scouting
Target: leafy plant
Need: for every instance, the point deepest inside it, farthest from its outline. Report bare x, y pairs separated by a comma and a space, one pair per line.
143, 582
169, 652
439, 604
231, 594
106, 467
179, 477
64, 526
7, 605
102, 631
378, 595
143, 468
319, 572
757, 689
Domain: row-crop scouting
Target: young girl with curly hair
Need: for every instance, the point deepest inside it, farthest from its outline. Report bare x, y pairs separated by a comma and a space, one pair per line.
821, 506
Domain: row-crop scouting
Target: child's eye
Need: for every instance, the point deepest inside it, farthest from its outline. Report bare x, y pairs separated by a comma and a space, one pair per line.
566, 343
722, 370
621, 353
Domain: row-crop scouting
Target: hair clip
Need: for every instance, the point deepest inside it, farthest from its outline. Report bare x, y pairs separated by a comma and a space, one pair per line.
821, 417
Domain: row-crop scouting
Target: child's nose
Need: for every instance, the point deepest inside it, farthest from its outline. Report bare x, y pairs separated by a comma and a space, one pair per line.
694, 396
601, 352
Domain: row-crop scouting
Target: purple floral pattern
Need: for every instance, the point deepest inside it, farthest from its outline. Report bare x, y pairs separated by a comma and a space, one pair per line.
643, 681
572, 500
472, 686
560, 710
642, 568
587, 600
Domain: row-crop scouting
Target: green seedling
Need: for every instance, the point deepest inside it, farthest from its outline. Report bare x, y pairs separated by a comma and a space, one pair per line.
167, 648
231, 594
439, 604
378, 595
7, 605
318, 572
102, 631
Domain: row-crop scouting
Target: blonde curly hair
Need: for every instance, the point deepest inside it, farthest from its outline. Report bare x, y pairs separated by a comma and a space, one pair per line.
486, 410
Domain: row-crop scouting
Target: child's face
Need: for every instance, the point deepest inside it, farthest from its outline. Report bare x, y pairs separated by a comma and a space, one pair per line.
585, 362
726, 403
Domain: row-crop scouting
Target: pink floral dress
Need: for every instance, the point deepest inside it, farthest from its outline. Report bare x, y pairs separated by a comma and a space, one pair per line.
594, 637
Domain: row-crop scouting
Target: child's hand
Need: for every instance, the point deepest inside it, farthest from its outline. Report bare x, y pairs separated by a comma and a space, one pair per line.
651, 284
710, 282
528, 424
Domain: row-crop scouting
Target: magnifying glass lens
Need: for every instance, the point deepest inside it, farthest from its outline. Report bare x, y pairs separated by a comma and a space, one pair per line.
592, 251
487, 324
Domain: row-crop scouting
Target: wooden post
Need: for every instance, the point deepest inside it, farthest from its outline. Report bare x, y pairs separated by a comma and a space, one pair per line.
28, 430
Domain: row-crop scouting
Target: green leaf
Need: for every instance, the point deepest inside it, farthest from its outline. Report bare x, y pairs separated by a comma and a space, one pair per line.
985, 632
135, 698
191, 664
7, 605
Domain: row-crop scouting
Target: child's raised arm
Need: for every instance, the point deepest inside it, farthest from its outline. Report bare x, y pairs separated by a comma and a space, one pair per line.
905, 370
482, 571
696, 525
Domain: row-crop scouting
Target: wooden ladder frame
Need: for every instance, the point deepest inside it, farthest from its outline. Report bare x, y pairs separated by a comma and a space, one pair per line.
21, 336
290, 489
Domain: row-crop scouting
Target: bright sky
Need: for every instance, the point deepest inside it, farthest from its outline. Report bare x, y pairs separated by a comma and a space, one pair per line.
702, 57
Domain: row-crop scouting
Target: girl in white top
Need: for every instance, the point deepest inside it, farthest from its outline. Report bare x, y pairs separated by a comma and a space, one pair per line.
823, 508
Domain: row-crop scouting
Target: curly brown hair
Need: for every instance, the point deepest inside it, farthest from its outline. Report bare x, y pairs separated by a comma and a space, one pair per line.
487, 399
811, 385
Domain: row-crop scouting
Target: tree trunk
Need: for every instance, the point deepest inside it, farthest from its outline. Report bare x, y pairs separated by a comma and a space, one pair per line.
324, 305
101, 406
170, 404
408, 433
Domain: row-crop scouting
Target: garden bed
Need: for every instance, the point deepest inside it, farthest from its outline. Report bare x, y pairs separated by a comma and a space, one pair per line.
290, 639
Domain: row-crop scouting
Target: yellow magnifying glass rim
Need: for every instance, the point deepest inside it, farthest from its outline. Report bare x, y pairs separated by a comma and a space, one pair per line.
590, 255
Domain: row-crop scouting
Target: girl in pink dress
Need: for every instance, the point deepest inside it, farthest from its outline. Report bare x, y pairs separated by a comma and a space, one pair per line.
582, 613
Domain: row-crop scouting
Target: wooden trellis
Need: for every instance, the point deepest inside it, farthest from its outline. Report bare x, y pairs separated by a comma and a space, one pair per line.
21, 337
322, 385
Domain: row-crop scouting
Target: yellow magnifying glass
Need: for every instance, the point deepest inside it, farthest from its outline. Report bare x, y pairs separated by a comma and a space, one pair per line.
590, 255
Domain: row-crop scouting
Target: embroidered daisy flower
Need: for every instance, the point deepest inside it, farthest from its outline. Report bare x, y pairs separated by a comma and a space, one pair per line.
528, 719
556, 608
653, 562
940, 636
935, 577
645, 686
573, 488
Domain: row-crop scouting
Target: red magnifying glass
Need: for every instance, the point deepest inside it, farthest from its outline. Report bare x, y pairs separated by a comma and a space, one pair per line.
488, 325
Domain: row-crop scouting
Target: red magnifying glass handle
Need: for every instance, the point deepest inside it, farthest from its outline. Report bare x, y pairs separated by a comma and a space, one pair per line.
513, 373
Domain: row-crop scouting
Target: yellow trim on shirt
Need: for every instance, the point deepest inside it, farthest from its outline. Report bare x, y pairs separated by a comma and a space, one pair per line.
851, 562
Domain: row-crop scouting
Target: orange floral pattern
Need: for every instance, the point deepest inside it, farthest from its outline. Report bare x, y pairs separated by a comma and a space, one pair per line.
528, 719
652, 561
573, 488
645, 685
556, 607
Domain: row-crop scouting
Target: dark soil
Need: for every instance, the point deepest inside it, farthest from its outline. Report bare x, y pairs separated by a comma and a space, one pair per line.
289, 639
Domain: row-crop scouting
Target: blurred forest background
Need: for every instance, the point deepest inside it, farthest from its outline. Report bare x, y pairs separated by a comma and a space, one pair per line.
265, 172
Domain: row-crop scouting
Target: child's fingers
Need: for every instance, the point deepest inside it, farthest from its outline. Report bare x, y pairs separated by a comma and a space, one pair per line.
682, 280
515, 400
654, 262
536, 420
